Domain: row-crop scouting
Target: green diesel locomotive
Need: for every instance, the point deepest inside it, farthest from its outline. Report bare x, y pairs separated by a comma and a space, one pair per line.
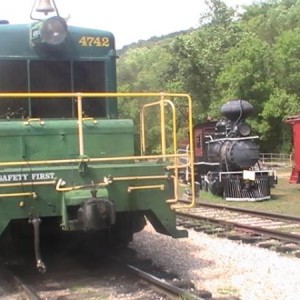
66, 159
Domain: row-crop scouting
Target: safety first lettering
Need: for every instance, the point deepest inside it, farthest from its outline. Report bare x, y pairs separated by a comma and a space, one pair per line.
26, 177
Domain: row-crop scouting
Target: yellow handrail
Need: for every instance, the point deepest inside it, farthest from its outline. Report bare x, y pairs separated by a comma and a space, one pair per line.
30, 120
142, 120
146, 187
29, 194
164, 99
87, 159
80, 129
29, 183
161, 104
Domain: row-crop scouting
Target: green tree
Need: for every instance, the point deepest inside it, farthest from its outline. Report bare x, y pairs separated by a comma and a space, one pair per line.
246, 73
269, 19
287, 61
145, 69
199, 56
252, 56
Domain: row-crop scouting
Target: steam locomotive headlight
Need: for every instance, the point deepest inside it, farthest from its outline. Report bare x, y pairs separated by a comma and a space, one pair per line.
50, 32
244, 129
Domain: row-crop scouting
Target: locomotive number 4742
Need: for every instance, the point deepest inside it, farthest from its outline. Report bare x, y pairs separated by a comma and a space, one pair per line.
94, 41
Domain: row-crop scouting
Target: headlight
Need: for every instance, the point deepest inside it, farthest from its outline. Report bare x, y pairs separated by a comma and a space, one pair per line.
244, 129
51, 32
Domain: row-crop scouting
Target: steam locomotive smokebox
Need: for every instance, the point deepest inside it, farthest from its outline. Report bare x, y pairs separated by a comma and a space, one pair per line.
240, 154
236, 109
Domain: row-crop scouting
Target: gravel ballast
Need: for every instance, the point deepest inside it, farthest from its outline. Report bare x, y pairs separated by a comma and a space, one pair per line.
223, 267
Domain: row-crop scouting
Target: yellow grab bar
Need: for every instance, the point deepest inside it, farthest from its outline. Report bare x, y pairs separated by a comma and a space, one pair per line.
146, 187
31, 120
30, 194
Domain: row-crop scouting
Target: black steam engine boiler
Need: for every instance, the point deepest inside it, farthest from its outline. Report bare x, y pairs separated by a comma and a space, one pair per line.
227, 156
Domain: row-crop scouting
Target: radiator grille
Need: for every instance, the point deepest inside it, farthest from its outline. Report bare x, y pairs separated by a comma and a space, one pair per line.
238, 189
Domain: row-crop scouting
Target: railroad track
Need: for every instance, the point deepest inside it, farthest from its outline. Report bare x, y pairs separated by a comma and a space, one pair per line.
169, 286
139, 279
159, 285
13, 284
170, 290
275, 231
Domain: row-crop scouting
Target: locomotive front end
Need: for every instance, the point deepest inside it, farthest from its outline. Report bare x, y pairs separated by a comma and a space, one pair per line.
228, 163
67, 160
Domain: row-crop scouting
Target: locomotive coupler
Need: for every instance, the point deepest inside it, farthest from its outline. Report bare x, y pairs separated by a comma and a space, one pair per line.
36, 230
96, 213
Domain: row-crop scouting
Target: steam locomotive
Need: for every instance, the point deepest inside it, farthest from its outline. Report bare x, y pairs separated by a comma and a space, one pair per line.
66, 159
227, 157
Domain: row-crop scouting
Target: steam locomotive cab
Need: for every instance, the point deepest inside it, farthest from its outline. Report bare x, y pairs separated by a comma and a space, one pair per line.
227, 156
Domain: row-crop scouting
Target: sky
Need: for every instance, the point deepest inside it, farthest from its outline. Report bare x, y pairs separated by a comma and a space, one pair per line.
129, 20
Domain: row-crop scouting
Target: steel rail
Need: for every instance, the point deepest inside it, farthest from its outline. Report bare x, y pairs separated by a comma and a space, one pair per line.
32, 295
19, 284
172, 291
251, 212
247, 211
248, 228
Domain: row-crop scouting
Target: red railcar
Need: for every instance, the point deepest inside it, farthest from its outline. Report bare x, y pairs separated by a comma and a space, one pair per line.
294, 121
